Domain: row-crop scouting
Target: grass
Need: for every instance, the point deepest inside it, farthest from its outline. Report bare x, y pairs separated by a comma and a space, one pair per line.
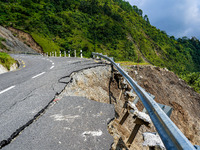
1, 45
6, 60
46, 44
2, 39
130, 63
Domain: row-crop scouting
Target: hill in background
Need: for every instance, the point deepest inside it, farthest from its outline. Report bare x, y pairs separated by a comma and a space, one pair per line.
112, 27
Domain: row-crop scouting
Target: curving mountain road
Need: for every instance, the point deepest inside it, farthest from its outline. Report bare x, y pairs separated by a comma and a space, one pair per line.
27, 92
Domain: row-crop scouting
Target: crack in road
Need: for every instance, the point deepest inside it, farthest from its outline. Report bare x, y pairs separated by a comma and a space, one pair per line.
26, 97
16, 104
19, 130
69, 76
4, 143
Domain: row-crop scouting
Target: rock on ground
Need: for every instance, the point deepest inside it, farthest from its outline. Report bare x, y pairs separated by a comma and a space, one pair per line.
4, 70
153, 140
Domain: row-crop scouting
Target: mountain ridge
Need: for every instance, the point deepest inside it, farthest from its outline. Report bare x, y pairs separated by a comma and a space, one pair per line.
112, 27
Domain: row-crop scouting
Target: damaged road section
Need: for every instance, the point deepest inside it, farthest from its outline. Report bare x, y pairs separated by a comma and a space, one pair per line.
73, 123
23, 105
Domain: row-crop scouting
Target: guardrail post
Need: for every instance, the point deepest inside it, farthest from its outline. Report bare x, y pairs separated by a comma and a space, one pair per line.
69, 53
197, 147
60, 53
171, 136
64, 53
81, 54
74, 53
134, 132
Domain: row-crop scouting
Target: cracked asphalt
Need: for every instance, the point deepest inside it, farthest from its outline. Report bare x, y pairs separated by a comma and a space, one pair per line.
26, 98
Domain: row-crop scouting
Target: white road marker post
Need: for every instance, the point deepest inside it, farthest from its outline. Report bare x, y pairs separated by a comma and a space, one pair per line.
68, 53
64, 53
74, 53
81, 53
60, 53
55, 54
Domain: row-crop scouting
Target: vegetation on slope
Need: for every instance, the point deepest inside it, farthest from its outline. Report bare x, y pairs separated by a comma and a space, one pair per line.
193, 79
1, 45
6, 60
112, 27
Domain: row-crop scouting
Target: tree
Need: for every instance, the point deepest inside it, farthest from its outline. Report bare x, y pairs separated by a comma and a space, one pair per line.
146, 19
137, 10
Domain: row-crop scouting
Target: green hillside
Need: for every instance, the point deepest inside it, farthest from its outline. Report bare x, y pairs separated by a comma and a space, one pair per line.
112, 27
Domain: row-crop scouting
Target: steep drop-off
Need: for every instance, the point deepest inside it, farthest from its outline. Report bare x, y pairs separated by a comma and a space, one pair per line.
97, 84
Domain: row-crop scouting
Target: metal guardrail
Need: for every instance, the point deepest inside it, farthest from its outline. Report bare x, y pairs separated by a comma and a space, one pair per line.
171, 136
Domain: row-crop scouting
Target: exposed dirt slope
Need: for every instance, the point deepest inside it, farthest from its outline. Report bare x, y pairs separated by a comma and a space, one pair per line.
100, 85
26, 38
168, 89
12, 44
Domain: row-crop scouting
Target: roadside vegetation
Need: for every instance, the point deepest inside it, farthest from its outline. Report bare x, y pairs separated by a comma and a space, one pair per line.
193, 79
1, 45
6, 60
130, 63
112, 27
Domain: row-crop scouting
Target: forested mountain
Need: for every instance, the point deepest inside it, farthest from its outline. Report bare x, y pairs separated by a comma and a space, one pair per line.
112, 27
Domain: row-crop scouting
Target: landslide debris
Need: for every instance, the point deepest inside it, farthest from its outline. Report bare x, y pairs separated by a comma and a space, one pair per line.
170, 90
90, 83
101, 85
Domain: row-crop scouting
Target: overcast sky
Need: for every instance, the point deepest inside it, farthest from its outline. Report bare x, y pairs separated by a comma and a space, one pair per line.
176, 17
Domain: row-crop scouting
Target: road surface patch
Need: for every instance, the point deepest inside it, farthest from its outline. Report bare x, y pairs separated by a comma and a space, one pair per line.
91, 133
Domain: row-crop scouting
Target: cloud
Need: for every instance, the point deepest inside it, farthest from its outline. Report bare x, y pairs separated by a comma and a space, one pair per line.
176, 17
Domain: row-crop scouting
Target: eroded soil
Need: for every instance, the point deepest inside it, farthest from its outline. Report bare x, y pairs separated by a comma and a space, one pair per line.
101, 85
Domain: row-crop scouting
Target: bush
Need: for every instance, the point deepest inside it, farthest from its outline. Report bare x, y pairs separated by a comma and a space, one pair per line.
6, 60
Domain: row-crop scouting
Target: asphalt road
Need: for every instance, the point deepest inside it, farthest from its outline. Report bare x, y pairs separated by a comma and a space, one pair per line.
25, 94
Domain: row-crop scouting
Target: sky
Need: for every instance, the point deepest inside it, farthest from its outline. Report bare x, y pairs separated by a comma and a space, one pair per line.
177, 17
